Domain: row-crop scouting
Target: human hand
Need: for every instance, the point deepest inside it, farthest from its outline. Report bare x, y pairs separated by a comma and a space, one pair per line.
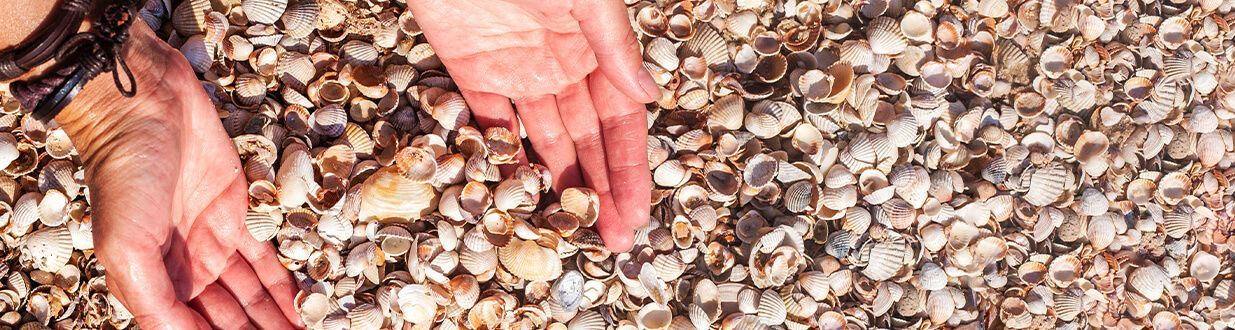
169, 201
574, 71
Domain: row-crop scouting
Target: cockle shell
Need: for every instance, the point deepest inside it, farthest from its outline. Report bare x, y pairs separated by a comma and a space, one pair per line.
530, 261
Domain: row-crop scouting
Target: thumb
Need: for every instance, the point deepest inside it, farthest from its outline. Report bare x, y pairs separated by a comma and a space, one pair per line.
608, 31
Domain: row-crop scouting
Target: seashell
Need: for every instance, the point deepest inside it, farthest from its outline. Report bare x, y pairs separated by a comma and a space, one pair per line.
263, 226
189, 18
771, 309
654, 316
1204, 266
760, 170
940, 306
49, 248
300, 18
530, 261
383, 195
1047, 184
264, 11
1176, 224
1054, 61
917, 27
1150, 281
329, 120
884, 259
708, 44
417, 304
885, 37
199, 55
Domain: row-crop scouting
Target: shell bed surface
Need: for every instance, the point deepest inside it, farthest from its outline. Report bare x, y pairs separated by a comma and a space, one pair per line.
1049, 164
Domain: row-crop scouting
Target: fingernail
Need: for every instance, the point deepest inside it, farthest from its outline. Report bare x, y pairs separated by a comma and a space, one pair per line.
650, 88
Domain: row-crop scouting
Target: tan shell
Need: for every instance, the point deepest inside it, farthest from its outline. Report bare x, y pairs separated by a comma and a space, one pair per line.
530, 261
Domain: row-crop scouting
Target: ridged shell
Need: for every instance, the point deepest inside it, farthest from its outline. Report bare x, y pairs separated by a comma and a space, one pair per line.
264, 11
263, 226
885, 36
884, 259
771, 308
530, 261
49, 248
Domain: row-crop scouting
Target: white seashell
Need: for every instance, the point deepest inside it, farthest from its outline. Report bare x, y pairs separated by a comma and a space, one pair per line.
49, 248
885, 36
530, 261
417, 304
264, 11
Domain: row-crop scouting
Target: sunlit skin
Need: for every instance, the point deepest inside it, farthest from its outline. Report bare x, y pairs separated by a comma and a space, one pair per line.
573, 71
169, 200
168, 194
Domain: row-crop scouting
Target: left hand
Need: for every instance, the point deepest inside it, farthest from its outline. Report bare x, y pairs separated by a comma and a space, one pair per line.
574, 71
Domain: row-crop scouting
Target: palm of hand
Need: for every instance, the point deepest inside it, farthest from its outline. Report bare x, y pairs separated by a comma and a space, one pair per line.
573, 71
169, 201
510, 49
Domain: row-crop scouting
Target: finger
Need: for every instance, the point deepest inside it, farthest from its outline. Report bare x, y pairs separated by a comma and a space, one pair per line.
242, 283
608, 30
220, 309
617, 234
492, 110
197, 317
624, 128
550, 140
276, 282
579, 118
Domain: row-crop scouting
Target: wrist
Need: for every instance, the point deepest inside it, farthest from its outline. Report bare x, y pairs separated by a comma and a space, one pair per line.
99, 115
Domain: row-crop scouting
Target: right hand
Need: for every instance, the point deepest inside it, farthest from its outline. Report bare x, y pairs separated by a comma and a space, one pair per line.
169, 199
575, 74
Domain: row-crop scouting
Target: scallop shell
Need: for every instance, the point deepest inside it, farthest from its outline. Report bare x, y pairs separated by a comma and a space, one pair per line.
884, 34
884, 260
264, 11
49, 248
300, 19
189, 18
530, 261
1150, 281
263, 226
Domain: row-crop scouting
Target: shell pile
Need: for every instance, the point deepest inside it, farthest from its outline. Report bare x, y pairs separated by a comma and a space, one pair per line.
816, 165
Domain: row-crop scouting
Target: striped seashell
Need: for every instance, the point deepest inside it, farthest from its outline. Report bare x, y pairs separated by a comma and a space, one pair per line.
263, 226
300, 19
1068, 306
356, 52
1211, 148
189, 18
503, 145
1046, 184
771, 309
663, 53
294, 176
1054, 61
1176, 224
708, 44
885, 37
49, 248
726, 113
887, 294
897, 213
932, 277
800, 196
199, 54
1064, 270
401, 77
884, 259
529, 261
264, 11
839, 198
1102, 231
366, 316
903, 131
417, 304
671, 173
250, 90
329, 121
940, 306
693, 140
510, 195
760, 170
